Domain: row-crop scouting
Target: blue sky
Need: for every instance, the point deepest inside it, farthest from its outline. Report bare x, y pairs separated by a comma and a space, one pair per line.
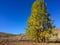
14, 14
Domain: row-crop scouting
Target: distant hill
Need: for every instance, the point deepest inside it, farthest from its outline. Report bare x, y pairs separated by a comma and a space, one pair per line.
2, 34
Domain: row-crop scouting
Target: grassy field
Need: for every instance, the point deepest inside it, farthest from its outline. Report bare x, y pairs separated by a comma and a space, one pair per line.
26, 43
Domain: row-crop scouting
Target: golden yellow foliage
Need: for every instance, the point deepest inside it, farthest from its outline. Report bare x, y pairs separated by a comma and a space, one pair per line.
39, 23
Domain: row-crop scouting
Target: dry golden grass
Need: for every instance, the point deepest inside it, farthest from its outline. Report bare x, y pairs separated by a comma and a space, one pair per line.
27, 43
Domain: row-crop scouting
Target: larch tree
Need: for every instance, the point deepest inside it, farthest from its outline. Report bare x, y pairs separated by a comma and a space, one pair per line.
40, 24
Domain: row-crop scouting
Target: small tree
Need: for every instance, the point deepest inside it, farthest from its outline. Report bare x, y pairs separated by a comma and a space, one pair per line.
40, 24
